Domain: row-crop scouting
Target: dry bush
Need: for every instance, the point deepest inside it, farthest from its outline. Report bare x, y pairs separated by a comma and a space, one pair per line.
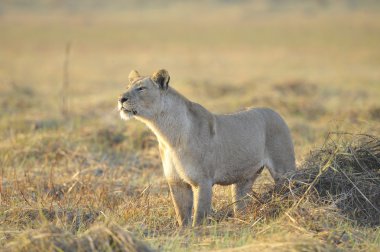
343, 175
374, 113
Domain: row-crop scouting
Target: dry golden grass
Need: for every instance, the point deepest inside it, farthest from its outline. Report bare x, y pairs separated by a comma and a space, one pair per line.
89, 174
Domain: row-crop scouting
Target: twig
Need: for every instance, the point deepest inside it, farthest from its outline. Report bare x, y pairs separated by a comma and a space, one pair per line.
65, 82
254, 196
352, 134
362, 194
23, 196
321, 171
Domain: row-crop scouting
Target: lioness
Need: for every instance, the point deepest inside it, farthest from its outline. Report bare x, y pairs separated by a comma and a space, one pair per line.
199, 149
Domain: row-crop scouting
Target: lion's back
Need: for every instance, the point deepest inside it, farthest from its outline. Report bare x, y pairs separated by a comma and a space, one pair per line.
255, 127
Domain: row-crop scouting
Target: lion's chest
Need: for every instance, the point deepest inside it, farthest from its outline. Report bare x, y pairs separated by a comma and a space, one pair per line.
181, 165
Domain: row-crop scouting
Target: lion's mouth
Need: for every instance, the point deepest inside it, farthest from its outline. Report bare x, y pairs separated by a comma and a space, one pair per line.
125, 109
127, 114
129, 111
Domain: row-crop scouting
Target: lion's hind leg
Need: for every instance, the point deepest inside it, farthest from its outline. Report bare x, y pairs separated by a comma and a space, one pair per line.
240, 191
279, 167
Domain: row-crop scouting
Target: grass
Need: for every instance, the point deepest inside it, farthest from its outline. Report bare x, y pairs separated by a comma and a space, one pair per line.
88, 175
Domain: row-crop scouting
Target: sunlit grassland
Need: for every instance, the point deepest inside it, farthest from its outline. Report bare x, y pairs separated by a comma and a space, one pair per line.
320, 70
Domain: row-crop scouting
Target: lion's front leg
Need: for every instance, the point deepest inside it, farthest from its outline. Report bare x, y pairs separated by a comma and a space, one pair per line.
182, 196
202, 201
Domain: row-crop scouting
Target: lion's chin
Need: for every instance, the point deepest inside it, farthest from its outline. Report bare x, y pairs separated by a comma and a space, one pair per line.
126, 115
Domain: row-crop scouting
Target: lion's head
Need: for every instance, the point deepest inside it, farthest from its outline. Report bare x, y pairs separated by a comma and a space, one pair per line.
143, 97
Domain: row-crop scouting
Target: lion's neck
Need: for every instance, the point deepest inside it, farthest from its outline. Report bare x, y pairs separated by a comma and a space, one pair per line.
172, 123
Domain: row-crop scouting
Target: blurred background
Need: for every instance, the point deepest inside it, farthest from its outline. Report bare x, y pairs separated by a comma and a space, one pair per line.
63, 64
316, 62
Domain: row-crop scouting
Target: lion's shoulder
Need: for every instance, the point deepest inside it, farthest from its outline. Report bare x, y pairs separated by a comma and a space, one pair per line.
201, 118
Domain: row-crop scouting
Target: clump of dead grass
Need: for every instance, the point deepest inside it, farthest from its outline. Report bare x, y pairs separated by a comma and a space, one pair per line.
73, 219
99, 238
343, 174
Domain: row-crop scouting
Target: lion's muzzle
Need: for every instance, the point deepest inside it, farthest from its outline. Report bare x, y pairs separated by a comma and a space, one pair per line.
125, 107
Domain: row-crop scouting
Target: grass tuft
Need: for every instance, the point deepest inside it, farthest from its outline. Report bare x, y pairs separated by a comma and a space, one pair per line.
344, 175
99, 238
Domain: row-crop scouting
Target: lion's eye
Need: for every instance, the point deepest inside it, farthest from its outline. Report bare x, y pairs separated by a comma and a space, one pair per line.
139, 89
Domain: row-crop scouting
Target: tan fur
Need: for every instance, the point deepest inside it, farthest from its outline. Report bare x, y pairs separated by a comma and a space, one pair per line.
199, 149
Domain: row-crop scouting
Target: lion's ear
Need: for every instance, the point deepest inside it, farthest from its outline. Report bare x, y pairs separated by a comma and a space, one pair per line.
133, 75
162, 78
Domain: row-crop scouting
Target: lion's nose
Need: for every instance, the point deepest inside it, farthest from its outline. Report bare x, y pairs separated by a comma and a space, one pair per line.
123, 99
